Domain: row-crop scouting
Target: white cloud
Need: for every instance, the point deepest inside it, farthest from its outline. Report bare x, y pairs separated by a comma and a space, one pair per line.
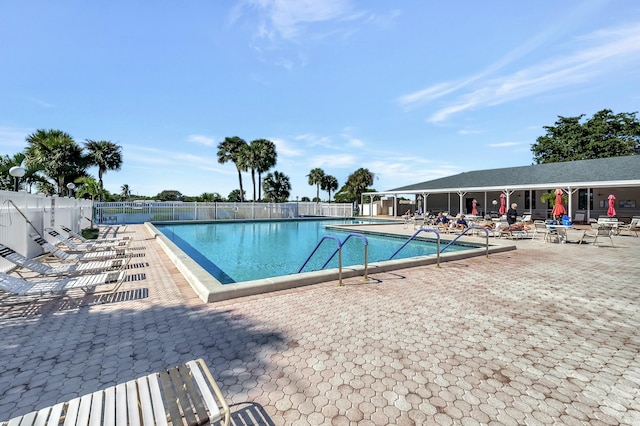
333, 161
504, 144
590, 57
283, 149
202, 140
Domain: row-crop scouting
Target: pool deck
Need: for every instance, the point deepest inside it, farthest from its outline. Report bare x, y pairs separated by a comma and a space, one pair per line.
545, 334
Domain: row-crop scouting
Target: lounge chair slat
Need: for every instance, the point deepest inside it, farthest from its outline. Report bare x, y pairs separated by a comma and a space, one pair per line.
182, 396
207, 396
121, 404
196, 395
146, 408
132, 403
72, 412
170, 399
43, 415
110, 406
84, 410
96, 408
56, 413
157, 401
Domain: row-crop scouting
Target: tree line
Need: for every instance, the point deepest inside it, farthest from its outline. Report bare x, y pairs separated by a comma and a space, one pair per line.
53, 160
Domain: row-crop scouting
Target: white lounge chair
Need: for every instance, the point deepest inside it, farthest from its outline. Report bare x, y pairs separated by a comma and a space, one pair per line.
87, 246
66, 269
186, 394
81, 256
58, 287
72, 234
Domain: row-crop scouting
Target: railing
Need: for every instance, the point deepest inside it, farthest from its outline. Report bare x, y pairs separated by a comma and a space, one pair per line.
415, 234
467, 230
151, 211
339, 251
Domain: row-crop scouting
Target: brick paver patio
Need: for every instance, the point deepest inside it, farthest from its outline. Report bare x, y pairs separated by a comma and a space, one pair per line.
546, 334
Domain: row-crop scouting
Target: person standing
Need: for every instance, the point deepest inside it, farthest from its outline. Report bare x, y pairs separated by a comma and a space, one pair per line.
512, 214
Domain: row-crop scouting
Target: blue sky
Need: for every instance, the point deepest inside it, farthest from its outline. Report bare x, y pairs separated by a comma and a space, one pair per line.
411, 90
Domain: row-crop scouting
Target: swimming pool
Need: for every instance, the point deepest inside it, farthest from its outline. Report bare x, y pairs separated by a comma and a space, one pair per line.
210, 289
245, 251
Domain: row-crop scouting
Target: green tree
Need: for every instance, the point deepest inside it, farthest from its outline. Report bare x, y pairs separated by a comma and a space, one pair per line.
604, 135
265, 157
170, 195
61, 157
277, 187
357, 183
105, 155
6, 163
234, 196
88, 187
210, 197
125, 191
315, 178
329, 183
234, 149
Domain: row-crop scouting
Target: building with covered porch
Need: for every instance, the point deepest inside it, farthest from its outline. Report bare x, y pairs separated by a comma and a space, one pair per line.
587, 184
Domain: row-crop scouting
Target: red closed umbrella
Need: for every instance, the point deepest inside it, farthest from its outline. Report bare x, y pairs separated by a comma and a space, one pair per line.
474, 207
503, 204
611, 212
558, 209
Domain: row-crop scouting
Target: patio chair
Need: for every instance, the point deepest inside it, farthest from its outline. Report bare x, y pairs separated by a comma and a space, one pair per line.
540, 228
88, 256
86, 246
597, 231
58, 287
72, 234
67, 269
186, 393
633, 226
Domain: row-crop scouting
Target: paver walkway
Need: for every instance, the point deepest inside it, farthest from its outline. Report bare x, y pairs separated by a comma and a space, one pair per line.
546, 334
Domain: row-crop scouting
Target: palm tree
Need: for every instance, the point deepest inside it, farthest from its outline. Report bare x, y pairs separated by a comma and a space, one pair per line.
277, 187
106, 155
315, 178
265, 157
60, 156
329, 183
232, 149
88, 186
125, 191
7, 182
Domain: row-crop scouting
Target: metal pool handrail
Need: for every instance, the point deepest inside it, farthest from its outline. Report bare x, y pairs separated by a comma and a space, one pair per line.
467, 230
414, 236
339, 250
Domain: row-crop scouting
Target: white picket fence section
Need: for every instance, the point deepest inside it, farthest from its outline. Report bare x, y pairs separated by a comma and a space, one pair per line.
140, 212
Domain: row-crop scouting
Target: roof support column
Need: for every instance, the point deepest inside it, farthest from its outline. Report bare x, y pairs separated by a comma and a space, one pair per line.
569, 202
461, 194
508, 194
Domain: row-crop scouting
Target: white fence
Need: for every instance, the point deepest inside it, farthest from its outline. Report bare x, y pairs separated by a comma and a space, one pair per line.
140, 212
22, 214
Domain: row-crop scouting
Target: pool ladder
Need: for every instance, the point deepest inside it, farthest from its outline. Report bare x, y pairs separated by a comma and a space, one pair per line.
449, 244
339, 252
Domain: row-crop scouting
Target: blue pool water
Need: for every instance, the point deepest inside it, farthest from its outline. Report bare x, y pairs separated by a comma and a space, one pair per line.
245, 251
